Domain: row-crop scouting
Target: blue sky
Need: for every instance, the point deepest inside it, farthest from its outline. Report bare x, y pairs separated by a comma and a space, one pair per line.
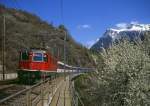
86, 20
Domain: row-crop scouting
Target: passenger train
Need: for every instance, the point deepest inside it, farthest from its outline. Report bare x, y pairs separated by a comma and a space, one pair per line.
35, 64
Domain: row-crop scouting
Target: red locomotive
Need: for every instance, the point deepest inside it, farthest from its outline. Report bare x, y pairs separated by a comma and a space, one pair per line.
35, 64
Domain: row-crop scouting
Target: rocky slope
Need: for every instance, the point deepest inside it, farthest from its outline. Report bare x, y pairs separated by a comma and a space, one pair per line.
25, 30
132, 32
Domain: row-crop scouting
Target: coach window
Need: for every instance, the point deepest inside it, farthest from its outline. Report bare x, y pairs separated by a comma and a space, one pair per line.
38, 57
24, 56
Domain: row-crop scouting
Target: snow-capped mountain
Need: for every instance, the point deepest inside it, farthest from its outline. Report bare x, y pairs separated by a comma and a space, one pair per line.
130, 31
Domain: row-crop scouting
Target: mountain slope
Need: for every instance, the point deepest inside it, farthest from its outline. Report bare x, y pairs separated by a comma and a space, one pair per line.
131, 31
25, 30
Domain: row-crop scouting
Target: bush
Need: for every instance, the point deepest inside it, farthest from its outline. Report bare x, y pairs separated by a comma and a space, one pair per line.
122, 77
126, 74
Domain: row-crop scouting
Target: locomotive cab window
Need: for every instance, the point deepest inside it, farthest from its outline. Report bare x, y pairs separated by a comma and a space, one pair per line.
45, 58
24, 56
38, 57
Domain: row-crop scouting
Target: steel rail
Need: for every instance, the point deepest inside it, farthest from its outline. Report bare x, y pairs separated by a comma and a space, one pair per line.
22, 91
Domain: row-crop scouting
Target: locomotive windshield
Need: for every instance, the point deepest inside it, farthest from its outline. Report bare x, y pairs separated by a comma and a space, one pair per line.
45, 58
38, 57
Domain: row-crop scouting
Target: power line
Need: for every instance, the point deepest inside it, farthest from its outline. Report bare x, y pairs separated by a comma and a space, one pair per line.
16, 4
62, 11
65, 34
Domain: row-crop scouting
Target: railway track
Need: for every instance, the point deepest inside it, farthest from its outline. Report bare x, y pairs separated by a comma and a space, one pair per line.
21, 95
62, 97
9, 81
7, 90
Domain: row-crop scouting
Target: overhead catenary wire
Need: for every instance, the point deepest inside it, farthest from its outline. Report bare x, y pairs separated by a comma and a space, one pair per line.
17, 5
65, 33
13, 3
62, 11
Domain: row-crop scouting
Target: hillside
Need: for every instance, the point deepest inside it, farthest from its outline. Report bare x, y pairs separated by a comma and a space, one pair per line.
25, 30
122, 76
132, 32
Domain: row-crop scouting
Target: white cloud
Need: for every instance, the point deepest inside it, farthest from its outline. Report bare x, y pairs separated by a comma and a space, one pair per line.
121, 25
125, 25
134, 22
84, 26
